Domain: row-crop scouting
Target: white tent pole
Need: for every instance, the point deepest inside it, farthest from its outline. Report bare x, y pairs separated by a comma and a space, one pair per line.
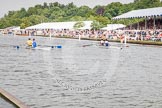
136, 34
145, 23
160, 25
138, 26
131, 26
145, 27
154, 23
125, 38
50, 35
79, 35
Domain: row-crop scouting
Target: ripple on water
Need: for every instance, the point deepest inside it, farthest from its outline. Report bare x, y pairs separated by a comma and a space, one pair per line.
38, 77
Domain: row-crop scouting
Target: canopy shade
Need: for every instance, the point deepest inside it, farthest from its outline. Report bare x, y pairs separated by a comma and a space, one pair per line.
141, 13
113, 26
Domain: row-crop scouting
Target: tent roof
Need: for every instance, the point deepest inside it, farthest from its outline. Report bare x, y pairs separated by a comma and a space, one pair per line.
57, 25
16, 28
113, 26
141, 13
13, 28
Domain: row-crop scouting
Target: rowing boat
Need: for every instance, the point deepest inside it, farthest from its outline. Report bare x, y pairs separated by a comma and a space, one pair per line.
39, 48
105, 47
109, 47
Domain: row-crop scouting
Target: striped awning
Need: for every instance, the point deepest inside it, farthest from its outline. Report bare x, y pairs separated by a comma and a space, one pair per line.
149, 12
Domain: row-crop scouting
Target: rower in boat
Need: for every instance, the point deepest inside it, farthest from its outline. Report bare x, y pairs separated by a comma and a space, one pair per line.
29, 42
106, 43
102, 42
34, 44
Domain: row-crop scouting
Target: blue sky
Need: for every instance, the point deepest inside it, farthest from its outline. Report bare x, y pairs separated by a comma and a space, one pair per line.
7, 5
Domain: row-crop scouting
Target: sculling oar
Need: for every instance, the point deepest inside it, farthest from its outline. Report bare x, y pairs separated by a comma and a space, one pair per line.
55, 46
17, 47
6, 45
88, 45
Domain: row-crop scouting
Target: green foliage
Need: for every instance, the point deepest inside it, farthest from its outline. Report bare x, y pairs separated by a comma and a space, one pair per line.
4, 23
79, 25
22, 25
102, 20
77, 18
96, 25
83, 10
25, 22
48, 12
142, 4
114, 9
56, 12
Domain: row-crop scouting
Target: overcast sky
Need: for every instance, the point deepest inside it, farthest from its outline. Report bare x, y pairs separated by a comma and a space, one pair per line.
9, 5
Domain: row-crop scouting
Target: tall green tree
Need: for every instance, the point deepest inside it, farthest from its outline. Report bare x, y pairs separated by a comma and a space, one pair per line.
83, 11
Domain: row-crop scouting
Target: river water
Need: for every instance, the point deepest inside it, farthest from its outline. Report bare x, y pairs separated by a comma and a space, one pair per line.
81, 77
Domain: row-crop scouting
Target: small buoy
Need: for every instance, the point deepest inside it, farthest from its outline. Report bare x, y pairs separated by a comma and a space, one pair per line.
59, 46
17, 47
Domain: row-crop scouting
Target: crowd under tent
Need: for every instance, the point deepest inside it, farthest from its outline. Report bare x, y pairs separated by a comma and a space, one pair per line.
143, 13
59, 25
113, 27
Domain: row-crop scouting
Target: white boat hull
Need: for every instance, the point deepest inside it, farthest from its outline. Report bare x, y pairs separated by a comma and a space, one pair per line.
39, 48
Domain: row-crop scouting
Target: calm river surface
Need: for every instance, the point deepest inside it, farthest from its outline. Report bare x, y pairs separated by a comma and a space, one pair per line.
81, 77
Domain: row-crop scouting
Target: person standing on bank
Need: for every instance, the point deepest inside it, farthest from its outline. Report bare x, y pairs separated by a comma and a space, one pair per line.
122, 39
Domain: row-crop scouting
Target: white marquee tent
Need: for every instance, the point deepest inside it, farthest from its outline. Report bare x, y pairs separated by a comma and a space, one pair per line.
113, 27
13, 28
141, 13
59, 25
16, 28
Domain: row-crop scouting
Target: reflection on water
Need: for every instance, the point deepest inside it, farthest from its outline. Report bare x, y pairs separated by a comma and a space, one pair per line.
81, 77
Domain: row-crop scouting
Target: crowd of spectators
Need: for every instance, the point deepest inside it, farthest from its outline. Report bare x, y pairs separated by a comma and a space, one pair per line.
136, 31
